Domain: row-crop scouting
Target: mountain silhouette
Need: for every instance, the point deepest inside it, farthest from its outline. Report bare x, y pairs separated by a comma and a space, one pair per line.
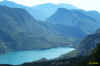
75, 18
40, 12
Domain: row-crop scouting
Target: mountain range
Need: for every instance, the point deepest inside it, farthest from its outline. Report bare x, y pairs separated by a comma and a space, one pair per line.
76, 18
40, 12
20, 29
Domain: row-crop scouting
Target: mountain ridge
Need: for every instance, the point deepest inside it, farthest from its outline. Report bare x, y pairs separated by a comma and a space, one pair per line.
20, 31
40, 12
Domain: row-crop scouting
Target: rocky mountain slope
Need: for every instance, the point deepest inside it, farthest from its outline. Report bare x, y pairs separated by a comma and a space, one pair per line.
64, 28
85, 47
20, 31
89, 43
78, 19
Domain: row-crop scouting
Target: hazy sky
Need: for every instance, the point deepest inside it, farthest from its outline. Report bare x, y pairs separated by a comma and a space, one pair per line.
83, 4
0, 0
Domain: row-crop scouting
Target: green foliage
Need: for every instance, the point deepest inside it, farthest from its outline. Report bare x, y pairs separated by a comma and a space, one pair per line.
96, 54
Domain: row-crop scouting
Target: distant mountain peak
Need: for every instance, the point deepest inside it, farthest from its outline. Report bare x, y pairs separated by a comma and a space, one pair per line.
11, 4
42, 11
67, 6
48, 4
6, 2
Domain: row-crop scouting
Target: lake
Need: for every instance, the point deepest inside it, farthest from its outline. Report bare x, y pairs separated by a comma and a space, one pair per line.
21, 57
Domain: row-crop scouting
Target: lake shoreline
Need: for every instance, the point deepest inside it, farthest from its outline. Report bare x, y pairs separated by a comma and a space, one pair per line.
33, 55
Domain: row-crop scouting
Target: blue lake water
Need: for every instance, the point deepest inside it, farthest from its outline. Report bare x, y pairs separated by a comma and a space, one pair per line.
21, 57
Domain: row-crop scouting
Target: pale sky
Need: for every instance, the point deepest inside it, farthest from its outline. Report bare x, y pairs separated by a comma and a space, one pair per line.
83, 4
0, 0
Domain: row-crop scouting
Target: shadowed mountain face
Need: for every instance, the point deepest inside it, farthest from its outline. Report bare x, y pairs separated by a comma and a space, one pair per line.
17, 27
86, 47
89, 43
75, 18
62, 14
20, 31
